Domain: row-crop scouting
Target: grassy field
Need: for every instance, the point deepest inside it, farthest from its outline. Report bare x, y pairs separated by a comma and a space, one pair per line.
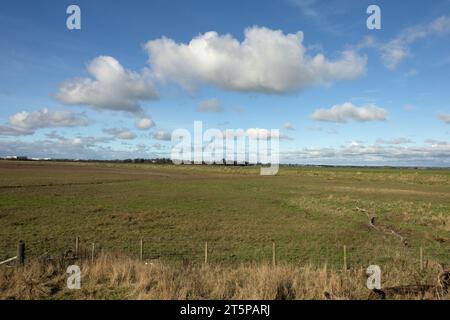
308, 212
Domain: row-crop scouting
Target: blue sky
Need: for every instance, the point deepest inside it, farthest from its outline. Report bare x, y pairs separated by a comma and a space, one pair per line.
339, 92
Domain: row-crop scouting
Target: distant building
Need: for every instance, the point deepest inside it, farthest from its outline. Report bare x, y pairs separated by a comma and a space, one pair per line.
16, 158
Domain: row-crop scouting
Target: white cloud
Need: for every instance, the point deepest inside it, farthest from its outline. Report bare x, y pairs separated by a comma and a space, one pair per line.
429, 154
211, 105
25, 122
366, 42
445, 118
393, 53
394, 141
347, 111
440, 25
288, 126
123, 134
145, 123
306, 6
265, 61
112, 87
437, 143
46, 118
396, 50
86, 140
162, 135
10, 131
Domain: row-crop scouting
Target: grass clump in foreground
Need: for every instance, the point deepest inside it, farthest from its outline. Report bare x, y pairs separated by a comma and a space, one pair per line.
120, 277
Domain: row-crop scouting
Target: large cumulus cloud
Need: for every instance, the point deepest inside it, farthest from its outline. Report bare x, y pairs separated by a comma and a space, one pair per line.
266, 61
111, 87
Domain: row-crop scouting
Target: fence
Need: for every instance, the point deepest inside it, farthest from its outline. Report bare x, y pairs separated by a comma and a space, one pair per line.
19, 258
338, 256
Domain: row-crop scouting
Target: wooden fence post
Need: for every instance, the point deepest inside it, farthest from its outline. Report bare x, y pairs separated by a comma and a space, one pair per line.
93, 252
77, 245
274, 254
421, 258
345, 257
21, 253
141, 250
206, 252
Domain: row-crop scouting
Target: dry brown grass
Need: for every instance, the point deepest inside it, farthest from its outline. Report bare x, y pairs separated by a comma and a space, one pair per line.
119, 277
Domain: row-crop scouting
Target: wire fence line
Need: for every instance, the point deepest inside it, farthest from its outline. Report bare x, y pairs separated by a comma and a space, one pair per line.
8, 260
198, 252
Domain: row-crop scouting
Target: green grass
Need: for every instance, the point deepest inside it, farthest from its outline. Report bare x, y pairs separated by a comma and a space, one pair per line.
308, 212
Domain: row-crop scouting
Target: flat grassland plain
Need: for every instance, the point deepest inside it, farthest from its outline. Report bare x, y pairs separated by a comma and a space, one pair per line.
309, 213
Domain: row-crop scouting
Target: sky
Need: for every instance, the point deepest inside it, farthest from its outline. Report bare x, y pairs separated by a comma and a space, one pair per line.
339, 92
